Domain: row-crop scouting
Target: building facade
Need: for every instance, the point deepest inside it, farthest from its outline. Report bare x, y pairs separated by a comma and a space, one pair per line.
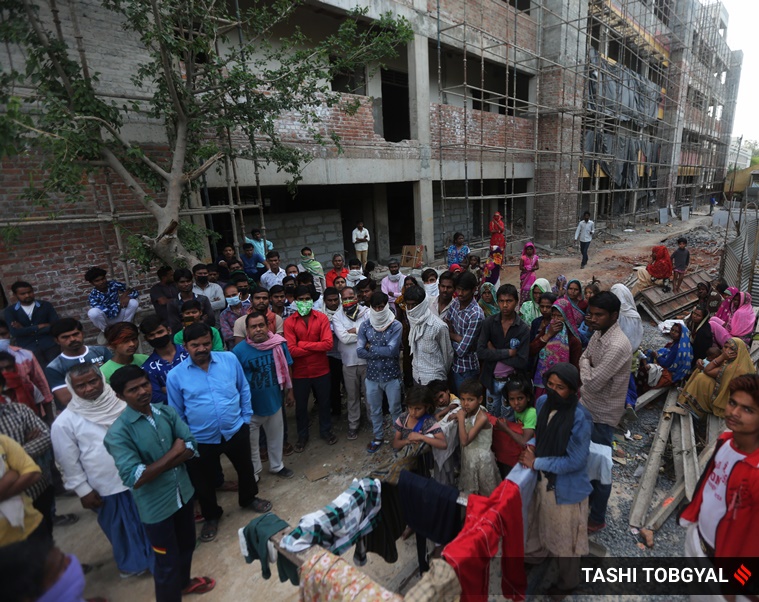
539, 109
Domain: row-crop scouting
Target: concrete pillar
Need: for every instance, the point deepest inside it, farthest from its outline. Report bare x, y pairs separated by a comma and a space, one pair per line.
419, 101
381, 223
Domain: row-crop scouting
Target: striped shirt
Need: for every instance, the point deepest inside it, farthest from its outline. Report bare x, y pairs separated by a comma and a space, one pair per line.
17, 422
467, 322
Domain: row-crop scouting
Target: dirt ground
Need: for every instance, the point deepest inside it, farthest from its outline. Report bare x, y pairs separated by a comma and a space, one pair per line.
293, 498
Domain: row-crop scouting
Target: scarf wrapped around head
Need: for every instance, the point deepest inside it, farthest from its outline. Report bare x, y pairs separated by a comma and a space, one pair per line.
416, 319
742, 320
725, 309
561, 284
274, 343
661, 266
552, 438
679, 357
629, 319
565, 308
531, 310
103, 410
574, 313
556, 350
488, 308
491, 271
23, 389
381, 320
312, 266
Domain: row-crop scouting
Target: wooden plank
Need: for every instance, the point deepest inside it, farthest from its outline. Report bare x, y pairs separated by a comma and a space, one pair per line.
650, 396
690, 459
714, 427
645, 492
676, 495
676, 436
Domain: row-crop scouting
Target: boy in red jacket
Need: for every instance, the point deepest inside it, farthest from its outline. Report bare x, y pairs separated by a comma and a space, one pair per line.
723, 518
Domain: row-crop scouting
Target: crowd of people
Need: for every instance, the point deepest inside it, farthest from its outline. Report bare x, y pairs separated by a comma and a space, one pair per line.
469, 378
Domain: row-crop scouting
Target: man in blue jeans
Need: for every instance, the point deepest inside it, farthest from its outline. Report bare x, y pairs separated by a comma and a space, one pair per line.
464, 323
379, 343
605, 375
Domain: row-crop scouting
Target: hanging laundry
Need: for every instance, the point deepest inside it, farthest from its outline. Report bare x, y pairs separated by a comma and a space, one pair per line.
255, 545
340, 523
390, 525
439, 584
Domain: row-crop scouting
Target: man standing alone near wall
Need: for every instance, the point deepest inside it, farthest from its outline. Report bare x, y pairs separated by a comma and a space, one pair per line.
584, 233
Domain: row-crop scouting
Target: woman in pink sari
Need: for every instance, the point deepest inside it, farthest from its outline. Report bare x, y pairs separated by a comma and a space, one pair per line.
529, 263
726, 308
740, 324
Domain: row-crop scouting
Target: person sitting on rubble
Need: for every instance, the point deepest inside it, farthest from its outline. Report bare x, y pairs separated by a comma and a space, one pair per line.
700, 329
740, 323
658, 270
706, 391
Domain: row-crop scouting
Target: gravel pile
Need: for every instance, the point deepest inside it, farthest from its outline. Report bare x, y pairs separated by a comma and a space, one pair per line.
702, 237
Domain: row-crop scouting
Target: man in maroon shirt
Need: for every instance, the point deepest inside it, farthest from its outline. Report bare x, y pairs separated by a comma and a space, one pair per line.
309, 337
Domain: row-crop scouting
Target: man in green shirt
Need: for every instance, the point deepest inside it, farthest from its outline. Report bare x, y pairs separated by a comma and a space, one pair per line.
150, 444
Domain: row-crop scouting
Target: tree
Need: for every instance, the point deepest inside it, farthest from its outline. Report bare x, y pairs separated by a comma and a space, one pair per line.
197, 93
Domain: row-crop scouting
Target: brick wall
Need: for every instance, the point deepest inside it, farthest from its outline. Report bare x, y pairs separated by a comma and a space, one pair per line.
480, 128
290, 232
494, 16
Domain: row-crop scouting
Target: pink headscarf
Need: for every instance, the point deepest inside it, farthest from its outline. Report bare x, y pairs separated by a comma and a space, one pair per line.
725, 309
741, 323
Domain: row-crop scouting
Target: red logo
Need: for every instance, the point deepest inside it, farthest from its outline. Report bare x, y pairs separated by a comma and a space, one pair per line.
742, 575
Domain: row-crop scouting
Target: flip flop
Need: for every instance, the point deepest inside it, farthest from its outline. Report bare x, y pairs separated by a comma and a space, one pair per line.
331, 439
199, 585
228, 486
259, 505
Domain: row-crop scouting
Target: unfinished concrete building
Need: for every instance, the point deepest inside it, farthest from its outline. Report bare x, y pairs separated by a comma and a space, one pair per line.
540, 109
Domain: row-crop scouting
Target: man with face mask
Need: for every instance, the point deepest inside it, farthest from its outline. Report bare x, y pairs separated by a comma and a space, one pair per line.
345, 324
288, 282
392, 283
208, 289
309, 338
430, 343
355, 273
236, 309
166, 355
90, 472
379, 342
330, 308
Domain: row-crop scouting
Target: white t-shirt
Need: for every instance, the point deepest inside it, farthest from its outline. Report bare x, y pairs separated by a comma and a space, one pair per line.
361, 246
714, 504
28, 309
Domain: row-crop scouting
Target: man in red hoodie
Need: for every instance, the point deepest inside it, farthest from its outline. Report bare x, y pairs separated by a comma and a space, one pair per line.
722, 519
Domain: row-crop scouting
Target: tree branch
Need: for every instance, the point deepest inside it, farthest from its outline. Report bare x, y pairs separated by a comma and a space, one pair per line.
162, 173
189, 177
45, 42
116, 165
166, 65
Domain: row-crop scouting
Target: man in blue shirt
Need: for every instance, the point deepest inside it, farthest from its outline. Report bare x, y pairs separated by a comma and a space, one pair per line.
266, 362
379, 343
166, 355
150, 446
29, 321
110, 301
251, 260
210, 393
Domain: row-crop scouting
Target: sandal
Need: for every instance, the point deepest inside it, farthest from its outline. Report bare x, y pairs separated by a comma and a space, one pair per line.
300, 447
374, 446
199, 585
260, 505
209, 530
331, 438
287, 449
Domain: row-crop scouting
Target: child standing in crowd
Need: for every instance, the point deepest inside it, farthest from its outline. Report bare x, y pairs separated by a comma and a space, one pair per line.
516, 427
529, 263
475, 267
446, 406
479, 473
680, 262
418, 424
192, 312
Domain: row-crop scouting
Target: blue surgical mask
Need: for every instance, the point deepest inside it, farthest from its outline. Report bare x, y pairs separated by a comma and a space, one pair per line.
232, 301
4, 344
